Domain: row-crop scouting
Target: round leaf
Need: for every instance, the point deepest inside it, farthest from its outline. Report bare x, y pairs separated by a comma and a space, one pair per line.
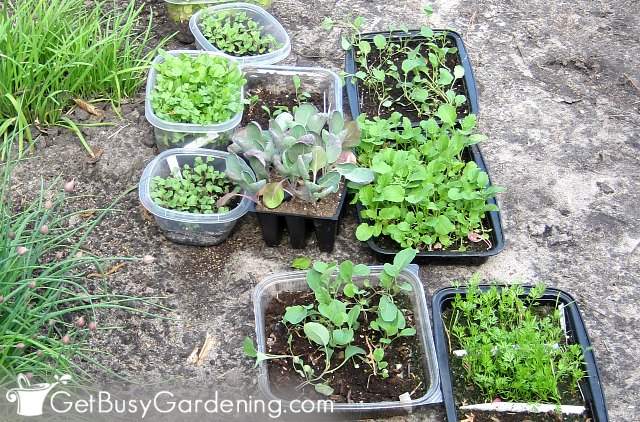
317, 333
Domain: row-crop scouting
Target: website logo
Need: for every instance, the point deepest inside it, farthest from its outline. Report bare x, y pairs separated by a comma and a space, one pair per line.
31, 398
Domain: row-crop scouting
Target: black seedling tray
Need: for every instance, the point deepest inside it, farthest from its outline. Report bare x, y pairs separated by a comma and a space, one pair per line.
496, 235
273, 224
469, 82
591, 387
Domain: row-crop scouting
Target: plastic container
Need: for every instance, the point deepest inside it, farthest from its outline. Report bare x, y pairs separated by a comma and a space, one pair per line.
591, 387
269, 24
185, 135
180, 11
269, 288
273, 223
469, 82
183, 227
278, 79
496, 235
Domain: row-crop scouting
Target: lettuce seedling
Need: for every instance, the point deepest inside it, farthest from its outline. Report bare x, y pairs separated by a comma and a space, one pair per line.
237, 34
201, 90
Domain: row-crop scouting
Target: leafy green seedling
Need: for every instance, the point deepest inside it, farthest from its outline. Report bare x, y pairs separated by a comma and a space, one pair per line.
237, 34
196, 189
201, 90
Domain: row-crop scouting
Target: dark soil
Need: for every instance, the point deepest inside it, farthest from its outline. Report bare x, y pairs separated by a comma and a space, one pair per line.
370, 105
326, 207
350, 384
467, 394
255, 112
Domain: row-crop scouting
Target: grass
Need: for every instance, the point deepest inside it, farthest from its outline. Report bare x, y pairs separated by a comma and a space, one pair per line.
54, 51
47, 315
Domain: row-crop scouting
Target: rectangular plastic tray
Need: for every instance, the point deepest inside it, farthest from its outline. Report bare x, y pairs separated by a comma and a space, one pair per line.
469, 82
591, 388
269, 24
295, 281
184, 227
452, 257
185, 135
312, 79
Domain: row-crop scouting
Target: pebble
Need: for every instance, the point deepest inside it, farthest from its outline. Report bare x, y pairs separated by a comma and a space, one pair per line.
80, 114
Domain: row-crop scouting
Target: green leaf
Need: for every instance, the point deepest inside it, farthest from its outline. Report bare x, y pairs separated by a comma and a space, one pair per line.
445, 77
317, 333
364, 47
407, 332
354, 173
323, 389
249, 348
378, 354
345, 44
393, 193
335, 311
342, 336
387, 309
295, 314
318, 159
458, 71
352, 351
361, 270
364, 232
380, 41
447, 113
404, 258
301, 263
350, 290
272, 195
443, 225
352, 315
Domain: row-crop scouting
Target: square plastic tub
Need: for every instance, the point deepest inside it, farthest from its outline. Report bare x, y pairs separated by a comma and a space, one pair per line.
184, 227
295, 281
185, 135
277, 79
270, 26
180, 11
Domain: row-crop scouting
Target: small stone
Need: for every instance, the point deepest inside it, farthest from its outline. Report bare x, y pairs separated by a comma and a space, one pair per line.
21, 250
148, 259
81, 114
605, 188
44, 229
66, 339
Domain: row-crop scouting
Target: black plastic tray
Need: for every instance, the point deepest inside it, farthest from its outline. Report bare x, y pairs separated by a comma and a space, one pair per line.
591, 388
273, 223
469, 82
452, 257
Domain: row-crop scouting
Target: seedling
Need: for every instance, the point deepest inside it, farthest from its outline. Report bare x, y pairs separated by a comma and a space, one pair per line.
237, 34
515, 348
196, 189
425, 194
346, 309
407, 73
305, 154
203, 89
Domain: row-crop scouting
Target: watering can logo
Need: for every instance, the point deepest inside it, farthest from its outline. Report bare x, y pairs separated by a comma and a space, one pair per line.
31, 398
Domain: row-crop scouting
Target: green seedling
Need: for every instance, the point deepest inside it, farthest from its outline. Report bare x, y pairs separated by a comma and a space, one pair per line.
513, 349
198, 189
237, 34
332, 323
203, 89
305, 154
425, 194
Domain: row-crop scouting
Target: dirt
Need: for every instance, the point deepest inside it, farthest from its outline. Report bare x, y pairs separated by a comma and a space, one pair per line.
274, 101
350, 384
324, 208
562, 115
369, 103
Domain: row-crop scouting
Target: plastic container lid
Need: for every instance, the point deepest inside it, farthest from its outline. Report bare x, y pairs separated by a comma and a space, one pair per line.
162, 166
269, 23
186, 127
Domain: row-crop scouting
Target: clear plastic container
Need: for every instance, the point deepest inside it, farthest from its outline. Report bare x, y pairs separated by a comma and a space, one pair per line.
180, 11
279, 79
269, 24
185, 135
184, 227
270, 287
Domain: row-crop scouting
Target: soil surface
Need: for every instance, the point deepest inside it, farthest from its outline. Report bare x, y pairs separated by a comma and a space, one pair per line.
274, 101
350, 384
559, 89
